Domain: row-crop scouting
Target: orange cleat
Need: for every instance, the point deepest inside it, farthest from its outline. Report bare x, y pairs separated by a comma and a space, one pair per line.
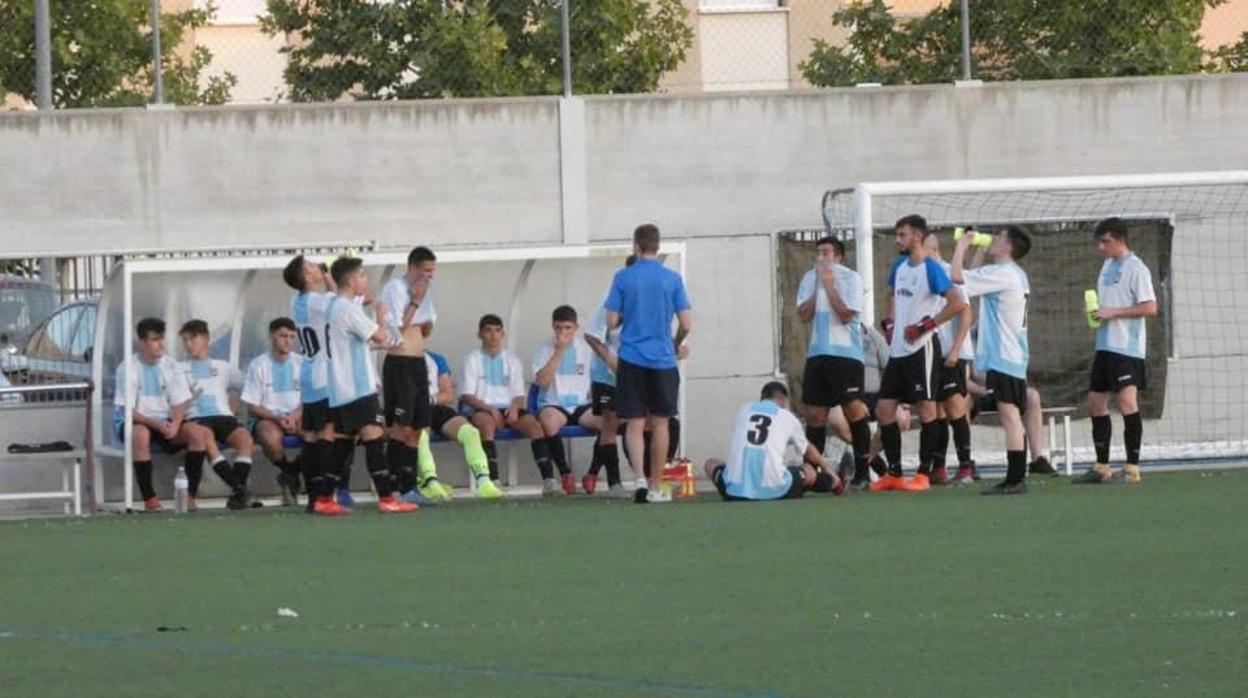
589, 483
151, 505
569, 484
391, 504
326, 506
889, 482
918, 483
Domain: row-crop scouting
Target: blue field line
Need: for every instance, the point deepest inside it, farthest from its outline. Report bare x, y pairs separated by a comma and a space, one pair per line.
379, 661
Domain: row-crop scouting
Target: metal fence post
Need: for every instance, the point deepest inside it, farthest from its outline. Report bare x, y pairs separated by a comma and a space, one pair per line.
565, 31
158, 78
966, 40
43, 55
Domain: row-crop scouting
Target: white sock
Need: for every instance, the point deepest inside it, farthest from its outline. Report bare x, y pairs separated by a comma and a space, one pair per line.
642, 484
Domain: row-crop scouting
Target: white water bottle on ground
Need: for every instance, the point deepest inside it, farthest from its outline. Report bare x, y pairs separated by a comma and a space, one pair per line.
181, 491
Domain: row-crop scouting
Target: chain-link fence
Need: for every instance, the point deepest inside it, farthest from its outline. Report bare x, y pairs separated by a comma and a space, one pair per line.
104, 53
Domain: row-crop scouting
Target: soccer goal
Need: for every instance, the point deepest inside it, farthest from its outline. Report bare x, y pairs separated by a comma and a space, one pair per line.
1191, 229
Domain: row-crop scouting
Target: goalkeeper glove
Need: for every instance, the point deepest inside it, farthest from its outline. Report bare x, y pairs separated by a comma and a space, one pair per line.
920, 328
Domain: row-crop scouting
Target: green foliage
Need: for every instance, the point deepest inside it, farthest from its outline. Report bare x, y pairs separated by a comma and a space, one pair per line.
1019, 40
406, 49
101, 54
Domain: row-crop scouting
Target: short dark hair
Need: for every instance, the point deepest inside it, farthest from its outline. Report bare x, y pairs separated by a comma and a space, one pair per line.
194, 328
489, 320
1115, 227
344, 267
149, 325
293, 274
913, 220
1020, 242
834, 242
646, 237
630, 260
420, 255
282, 323
774, 389
564, 313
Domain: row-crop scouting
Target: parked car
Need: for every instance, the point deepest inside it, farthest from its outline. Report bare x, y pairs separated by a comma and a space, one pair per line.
60, 349
24, 303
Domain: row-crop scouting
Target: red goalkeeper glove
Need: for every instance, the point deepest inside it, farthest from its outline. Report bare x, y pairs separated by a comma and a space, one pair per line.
920, 328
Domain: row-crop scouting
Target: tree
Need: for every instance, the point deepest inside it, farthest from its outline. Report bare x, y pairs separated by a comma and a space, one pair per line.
1015, 40
102, 55
404, 49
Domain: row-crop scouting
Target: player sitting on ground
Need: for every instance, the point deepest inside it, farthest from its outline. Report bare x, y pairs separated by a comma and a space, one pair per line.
951, 391
271, 393
755, 469
353, 381
211, 381
1033, 424
161, 396
493, 395
561, 372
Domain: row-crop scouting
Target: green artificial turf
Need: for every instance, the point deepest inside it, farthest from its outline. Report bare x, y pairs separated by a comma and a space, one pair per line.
1067, 591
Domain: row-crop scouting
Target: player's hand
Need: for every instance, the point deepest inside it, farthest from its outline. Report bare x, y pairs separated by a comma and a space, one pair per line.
887, 326
951, 361
1105, 313
499, 417
168, 430
964, 243
826, 275
563, 341
920, 328
289, 425
682, 352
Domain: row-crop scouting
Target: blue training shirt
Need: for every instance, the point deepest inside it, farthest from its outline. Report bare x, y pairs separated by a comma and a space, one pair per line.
648, 295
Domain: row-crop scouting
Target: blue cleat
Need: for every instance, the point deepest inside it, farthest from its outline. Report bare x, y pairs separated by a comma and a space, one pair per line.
345, 499
414, 496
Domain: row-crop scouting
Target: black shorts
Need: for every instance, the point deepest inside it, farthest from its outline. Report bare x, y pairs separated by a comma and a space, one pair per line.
439, 415
157, 439
832, 380
1003, 388
796, 489
350, 418
405, 384
642, 392
951, 380
221, 426
573, 417
1112, 372
315, 415
871, 400
912, 378
602, 397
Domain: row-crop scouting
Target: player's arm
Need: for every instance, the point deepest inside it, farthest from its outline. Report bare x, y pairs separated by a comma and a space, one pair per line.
684, 325
957, 266
603, 352
806, 302
816, 459
260, 412
965, 318
475, 402
843, 312
1145, 309
544, 373
446, 389
954, 304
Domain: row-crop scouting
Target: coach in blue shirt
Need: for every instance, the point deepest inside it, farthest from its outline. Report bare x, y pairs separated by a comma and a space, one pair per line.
642, 302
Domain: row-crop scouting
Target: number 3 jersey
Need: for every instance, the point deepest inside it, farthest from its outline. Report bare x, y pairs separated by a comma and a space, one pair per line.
755, 467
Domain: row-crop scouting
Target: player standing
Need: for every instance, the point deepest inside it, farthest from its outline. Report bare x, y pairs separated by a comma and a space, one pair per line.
951, 390
1125, 295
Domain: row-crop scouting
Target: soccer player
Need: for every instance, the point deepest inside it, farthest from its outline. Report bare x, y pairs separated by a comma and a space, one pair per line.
755, 469
1125, 296
405, 309
875, 353
1033, 424
830, 297
561, 372
454, 426
951, 391
353, 380
271, 393
1003, 350
211, 381
309, 309
493, 394
606, 346
919, 287
642, 302
161, 396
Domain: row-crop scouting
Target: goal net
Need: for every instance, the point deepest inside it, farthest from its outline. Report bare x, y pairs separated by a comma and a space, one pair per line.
1190, 229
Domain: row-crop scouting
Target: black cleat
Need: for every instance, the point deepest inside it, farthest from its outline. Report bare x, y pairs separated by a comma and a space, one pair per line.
1006, 487
1091, 476
237, 500
879, 466
639, 495
289, 486
1042, 466
860, 484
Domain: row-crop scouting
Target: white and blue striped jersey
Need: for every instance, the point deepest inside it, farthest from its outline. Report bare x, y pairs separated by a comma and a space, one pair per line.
436, 366
755, 468
600, 371
210, 381
918, 292
1123, 283
570, 388
1003, 290
158, 388
948, 331
396, 295
828, 335
496, 380
352, 372
274, 385
309, 310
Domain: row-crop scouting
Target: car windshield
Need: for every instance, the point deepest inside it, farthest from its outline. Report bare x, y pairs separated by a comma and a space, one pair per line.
24, 307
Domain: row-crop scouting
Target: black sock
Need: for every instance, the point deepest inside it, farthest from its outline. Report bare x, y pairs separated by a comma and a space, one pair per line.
673, 438
194, 466
491, 455
143, 478
860, 431
1102, 432
242, 470
309, 460
645, 464
962, 439
344, 453
541, 454
331, 468
818, 437
1016, 471
557, 454
225, 471
929, 436
611, 461
375, 461
890, 437
400, 459
1132, 435
596, 463
941, 449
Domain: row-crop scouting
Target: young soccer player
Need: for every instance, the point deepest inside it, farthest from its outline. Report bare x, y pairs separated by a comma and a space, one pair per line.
755, 469
606, 346
353, 380
561, 372
1125, 295
271, 393
1033, 424
493, 395
161, 396
211, 382
830, 298
642, 302
951, 392
923, 298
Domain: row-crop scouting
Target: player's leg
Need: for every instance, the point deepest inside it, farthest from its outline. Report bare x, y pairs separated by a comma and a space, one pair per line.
631, 405
857, 422
552, 419
660, 441
372, 438
894, 387
923, 371
1132, 431
197, 439
606, 452
241, 442
269, 434
1016, 455
141, 453
1033, 424
455, 426
487, 426
1101, 383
